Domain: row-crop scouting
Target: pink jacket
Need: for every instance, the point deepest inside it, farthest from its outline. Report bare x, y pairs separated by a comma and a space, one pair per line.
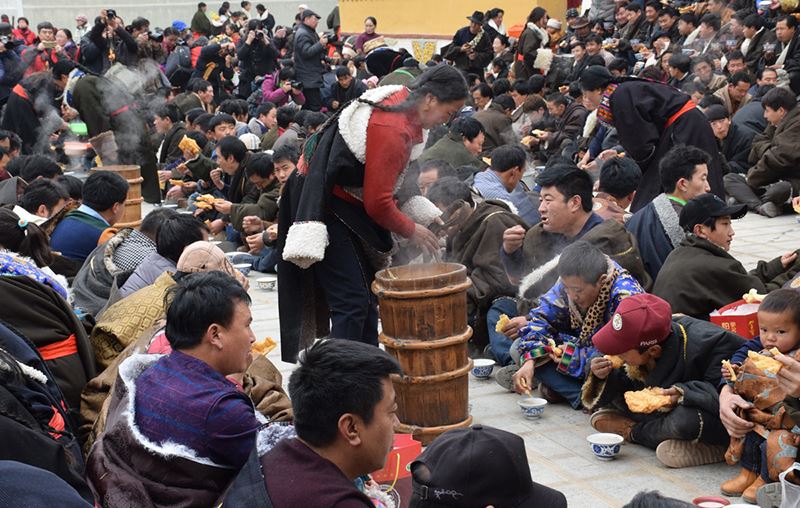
270, 92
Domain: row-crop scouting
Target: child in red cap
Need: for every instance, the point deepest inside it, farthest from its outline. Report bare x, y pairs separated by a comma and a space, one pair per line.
681, 356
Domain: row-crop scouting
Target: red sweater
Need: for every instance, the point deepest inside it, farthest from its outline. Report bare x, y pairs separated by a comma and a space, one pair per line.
390, 137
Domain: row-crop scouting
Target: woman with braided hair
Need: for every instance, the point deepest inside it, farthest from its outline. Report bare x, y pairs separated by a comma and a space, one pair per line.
338, 210
651, 118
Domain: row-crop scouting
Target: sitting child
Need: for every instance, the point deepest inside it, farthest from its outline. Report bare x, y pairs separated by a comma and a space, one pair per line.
779, 324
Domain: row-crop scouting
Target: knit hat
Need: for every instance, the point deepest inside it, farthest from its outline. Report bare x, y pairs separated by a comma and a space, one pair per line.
595, 77
206, 257
716, 112
640, 321
478, 466
251, 141
554, 24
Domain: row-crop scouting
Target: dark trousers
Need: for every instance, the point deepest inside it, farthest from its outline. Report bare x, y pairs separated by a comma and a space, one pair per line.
313, 99
346, 278
684, 423
754, 455
737, 187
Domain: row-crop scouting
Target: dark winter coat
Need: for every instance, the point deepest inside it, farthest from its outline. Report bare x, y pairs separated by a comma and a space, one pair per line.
657, 231
774, 153
483, 51
699, 277
527, 47
498, 128
308, 55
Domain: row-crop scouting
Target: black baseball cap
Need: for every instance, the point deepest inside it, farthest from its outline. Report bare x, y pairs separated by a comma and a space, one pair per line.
478, 466
708, 206
307, 13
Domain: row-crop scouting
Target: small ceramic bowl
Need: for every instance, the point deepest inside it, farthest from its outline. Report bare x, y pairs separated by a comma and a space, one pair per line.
244, 268
482, 368
712, 502
532, 407
605, 446
268, 283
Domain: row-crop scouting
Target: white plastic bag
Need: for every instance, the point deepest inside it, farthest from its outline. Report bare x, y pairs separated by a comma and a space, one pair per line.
790, 493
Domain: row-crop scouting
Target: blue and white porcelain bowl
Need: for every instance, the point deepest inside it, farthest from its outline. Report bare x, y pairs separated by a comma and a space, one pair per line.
243, 267
482, 368
532, 407
605, 446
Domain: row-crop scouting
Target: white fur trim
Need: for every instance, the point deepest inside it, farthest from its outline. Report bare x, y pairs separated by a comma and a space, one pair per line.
27, 370
511, 207
129, 370
421, 210
354, 119
536, 276
306, 243
417, 149
544, 59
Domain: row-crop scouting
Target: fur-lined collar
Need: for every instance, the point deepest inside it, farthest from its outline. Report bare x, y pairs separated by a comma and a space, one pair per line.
354, 119
27, 370
129, 370
669, 219
537, 276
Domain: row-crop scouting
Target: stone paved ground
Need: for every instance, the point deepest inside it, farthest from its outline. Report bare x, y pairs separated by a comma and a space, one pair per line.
558, 453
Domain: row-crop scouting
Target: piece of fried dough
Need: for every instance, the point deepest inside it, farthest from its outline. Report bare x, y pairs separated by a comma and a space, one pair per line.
648, 400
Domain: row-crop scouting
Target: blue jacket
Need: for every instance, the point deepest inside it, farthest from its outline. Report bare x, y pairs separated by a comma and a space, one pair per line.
550, 320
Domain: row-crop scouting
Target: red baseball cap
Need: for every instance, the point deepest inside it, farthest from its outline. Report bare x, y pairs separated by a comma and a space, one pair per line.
640, 321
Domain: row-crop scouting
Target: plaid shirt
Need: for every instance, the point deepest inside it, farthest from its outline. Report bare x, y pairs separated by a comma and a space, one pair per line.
133, 251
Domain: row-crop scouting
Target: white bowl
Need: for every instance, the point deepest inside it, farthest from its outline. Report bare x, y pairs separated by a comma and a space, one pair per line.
267, 283
482, 368
605, 445
532, 407
244, 268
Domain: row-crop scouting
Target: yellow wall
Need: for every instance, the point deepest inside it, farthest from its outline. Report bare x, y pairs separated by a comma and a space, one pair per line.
442, 18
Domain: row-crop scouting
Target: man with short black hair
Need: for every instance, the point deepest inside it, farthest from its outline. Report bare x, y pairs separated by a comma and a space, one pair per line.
200, 95
788, 54
345, 89
461, 146
230, 178
759, 43
774, 156
177, 429
167, 120
684, 175
570, 115
735, 94
111, 263
680, 66
104, 195
174, 234
481, 96
734, 140
503, 181
496, 121
338, 438
431, 171
35, 167
668, 22
41, 200
703, 68
619, 179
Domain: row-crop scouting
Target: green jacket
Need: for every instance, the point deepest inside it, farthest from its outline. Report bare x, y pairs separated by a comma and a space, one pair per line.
269, 138
266, 208
452, 150
201, 24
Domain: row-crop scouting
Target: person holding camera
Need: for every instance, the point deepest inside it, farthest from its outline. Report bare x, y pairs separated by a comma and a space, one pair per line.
108, 42
281, 87
309, 52
215, 64
42, 56
257, 57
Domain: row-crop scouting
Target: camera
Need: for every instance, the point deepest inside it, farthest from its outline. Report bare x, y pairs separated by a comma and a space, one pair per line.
332, 37
297, 85
111, 13
260, 35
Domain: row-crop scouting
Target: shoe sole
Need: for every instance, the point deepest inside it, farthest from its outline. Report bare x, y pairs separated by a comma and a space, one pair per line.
679, 458
769, 496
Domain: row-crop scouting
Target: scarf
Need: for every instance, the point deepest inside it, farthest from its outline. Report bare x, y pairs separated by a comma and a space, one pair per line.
543, 35
604, 114
784, 53
72, 80
595, 315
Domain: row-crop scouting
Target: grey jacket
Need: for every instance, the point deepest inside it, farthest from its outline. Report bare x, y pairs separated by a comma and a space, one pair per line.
146, 273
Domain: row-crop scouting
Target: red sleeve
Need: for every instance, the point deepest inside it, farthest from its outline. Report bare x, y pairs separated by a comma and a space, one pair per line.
388, 149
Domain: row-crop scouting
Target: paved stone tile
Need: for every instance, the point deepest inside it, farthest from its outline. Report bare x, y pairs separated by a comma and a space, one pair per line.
556, 445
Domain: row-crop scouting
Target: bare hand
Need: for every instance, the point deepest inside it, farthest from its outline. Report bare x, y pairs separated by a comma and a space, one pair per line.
216, 178
511, 329
272, 232
252, 224
163, 176
323, 39
728, 403
286, 86
674, 395
255, 243
40, 47
601, 367
251, 36
789, 375
335, 104
523, 378
189, 187
424, 239
513, 239
223, 206
606, 155
217, 226
175, 192
788, 258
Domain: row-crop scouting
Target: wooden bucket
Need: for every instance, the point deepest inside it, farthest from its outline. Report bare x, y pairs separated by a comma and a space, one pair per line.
423, 312
132, 218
